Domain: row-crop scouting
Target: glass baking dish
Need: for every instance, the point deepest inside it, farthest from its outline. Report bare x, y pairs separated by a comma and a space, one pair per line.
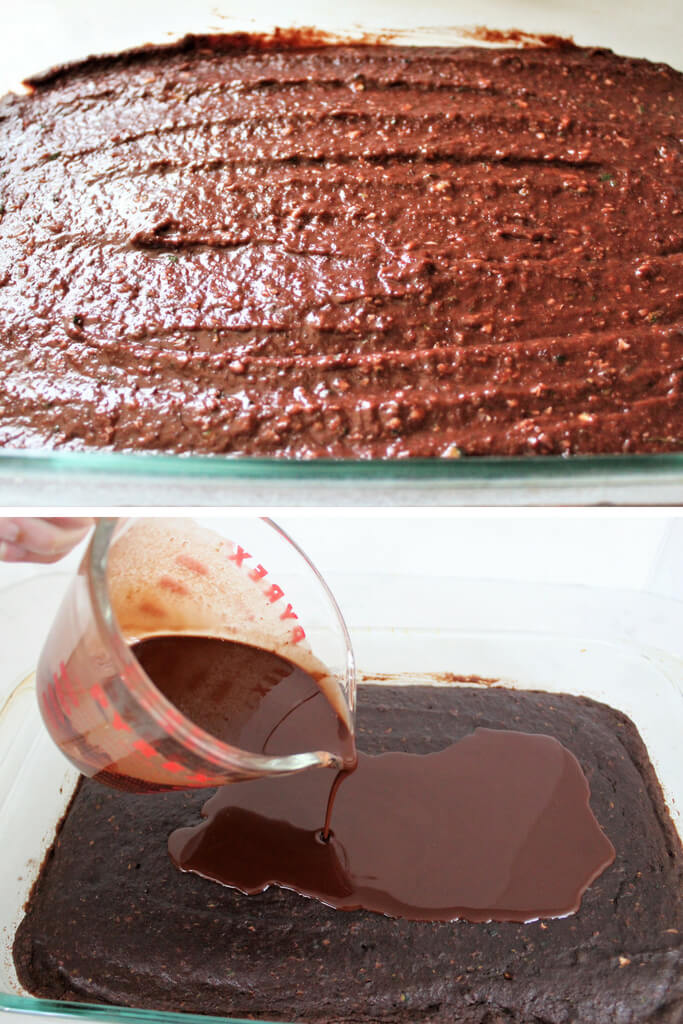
38, 34
618, 646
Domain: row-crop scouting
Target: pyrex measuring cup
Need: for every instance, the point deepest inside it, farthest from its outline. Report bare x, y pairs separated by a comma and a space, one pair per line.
146, 577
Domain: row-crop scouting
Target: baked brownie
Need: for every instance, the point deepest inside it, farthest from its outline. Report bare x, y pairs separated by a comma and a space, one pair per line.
362, 251
111, 920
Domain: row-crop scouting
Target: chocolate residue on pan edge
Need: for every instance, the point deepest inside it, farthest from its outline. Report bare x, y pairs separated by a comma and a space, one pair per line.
437, 678
511, 36
303, 37
51, 850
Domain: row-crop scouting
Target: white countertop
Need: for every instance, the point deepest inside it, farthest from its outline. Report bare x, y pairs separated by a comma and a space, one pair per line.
615, 549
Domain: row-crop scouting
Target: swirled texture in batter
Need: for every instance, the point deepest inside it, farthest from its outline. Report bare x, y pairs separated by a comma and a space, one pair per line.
361, 251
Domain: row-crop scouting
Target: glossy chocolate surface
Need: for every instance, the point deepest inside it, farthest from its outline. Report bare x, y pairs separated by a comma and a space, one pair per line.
495, 827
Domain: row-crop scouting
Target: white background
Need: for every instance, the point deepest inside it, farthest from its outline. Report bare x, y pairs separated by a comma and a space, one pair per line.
612, 550
634, 550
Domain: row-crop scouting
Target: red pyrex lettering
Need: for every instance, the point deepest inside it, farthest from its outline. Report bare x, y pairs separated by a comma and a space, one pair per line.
68, 686
99, 696
119, 724
273, 592
239, 556
146, 749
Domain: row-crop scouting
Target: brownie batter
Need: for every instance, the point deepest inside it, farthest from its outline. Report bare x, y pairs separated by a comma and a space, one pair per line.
112, 920
357, 251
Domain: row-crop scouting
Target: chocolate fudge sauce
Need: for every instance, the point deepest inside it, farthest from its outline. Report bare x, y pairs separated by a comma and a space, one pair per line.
245, 696
495, 827
349, 251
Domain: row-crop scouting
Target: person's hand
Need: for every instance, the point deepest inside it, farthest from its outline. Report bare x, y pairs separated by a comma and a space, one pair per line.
40, 540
